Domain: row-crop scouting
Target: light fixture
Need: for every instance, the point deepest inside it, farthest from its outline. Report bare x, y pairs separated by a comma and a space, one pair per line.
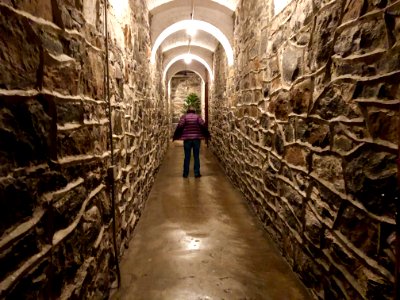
199, 25
194, 57
191, 31
188, 58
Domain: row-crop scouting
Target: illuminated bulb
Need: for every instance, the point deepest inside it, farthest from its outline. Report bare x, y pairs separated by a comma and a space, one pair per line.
188, 59
191, 31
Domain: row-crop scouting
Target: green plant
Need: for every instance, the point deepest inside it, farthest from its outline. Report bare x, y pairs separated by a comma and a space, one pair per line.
192, 100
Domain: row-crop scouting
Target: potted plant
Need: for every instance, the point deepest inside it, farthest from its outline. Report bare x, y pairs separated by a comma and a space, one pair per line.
192, 100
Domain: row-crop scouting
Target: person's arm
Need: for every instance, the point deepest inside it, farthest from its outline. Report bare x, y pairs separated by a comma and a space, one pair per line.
179, 129
182, 121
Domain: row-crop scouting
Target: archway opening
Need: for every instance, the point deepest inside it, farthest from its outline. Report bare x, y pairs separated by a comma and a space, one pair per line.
181, 85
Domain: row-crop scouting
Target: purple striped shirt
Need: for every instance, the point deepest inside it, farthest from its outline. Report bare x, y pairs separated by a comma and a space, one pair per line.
191, 126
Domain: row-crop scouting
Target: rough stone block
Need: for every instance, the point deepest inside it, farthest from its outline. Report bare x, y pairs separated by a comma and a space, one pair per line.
371, 177
83, 140
301, 96
320, 48
67, 257
278, 143
353, 10
303, 37
344, 141
363, 38
339, 254
69, 111
61, 73
25, 130
313, 228
91, 225
383, 124
291, 63
92, 81
336, 101
297, 155
20, 50
302, 14
91, 15
333, 289
103, 203
384, 88
329, 169
314, 133
359, 229
325, 203
294, 199
67, 204
347, 288
67, 14
280, 105
15, 255
39, 8
288, 130
309, 271
36, 284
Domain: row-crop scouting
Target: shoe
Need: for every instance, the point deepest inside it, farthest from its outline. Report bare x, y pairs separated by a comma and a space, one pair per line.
185, 176
198, 176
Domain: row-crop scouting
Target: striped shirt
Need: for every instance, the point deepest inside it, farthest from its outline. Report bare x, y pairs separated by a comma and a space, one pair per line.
191, 126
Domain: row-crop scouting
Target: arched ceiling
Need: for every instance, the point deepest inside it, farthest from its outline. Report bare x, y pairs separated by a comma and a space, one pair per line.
193, 57
201, 39
201, 52
207, 11
154, 4
170, 19
195, 67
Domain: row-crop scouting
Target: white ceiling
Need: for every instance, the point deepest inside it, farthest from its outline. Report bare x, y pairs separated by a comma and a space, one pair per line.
165, 13
201, 39
195, 66
201, 52
153, 4
213, 15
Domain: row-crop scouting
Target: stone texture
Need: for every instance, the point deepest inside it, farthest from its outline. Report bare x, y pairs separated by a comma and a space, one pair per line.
20, 59
317, 162
56, 233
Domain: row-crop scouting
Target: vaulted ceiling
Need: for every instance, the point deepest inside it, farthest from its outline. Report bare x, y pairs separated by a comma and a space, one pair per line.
213, 22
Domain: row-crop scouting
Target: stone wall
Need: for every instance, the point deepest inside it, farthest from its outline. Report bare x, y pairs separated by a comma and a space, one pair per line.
306, 125
181, 87
56, 233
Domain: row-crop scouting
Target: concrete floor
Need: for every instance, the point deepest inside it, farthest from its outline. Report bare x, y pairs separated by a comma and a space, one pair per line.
197, 239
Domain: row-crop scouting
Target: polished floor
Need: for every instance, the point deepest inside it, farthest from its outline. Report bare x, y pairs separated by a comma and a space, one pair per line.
197, 239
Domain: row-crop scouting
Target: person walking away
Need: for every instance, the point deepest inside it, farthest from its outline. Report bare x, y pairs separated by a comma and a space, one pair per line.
191, 129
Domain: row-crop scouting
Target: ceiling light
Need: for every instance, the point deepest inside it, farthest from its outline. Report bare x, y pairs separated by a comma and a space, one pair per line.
199, 25
191, 31
194, 57
188, 59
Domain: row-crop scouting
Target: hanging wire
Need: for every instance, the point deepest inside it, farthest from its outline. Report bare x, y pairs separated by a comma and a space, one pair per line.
191, 17
110, 170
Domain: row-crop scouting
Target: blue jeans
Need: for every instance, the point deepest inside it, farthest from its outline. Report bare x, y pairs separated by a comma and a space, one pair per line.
187, 146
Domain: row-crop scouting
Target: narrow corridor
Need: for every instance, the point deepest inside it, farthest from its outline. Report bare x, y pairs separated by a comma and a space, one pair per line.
197, 239
301, 99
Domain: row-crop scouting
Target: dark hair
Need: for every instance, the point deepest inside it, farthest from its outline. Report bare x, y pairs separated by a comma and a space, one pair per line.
191, 109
